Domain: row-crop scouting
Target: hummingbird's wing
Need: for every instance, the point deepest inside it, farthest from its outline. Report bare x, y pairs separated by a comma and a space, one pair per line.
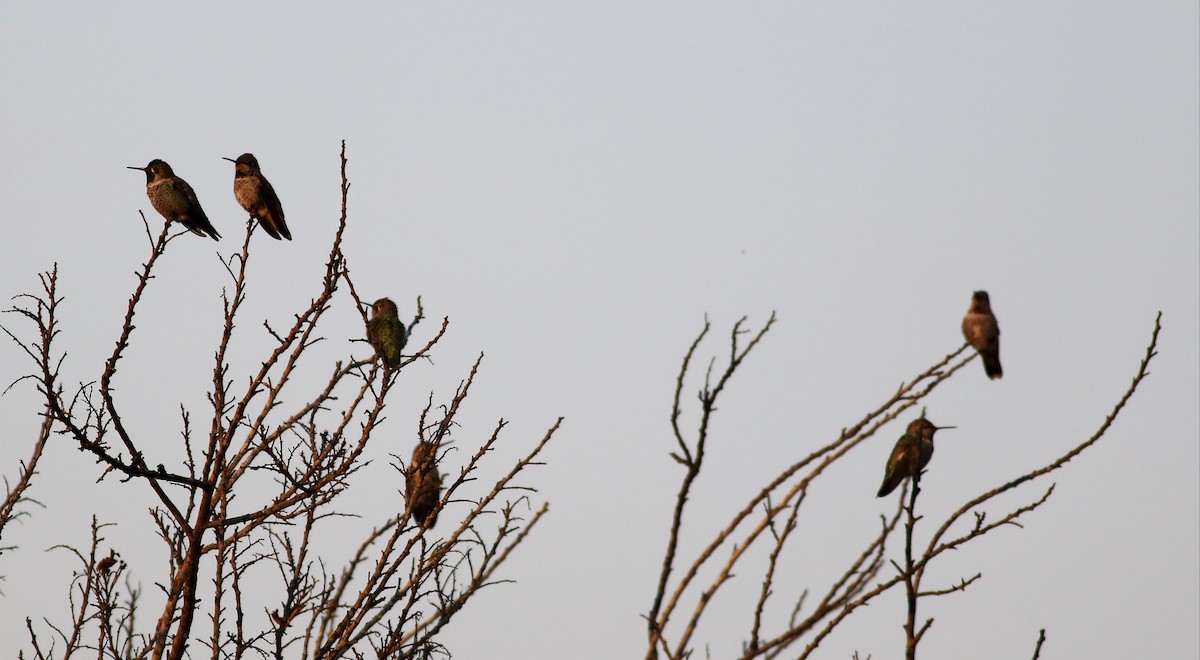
194, 218
991, 358
374, 333
401, 334
386, 334
185, 189
273, 223
898, 465
990, 330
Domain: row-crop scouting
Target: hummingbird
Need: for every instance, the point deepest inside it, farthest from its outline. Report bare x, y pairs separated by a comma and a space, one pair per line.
174, 199
386, 333
423, 484
910, 455
983, 333
256, 195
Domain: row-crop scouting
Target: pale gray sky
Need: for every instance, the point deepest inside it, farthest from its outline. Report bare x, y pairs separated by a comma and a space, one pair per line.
576, 186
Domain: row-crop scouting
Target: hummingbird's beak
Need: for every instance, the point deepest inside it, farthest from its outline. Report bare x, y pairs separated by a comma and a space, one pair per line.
945, 427
131, 167
230, 160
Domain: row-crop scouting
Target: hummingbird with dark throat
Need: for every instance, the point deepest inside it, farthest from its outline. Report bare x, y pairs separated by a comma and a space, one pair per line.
174, 199
256, 195
982, 332
910, 455
386, 333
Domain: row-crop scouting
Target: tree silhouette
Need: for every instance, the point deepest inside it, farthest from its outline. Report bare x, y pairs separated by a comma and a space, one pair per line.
265, 468
680, 601
240, 516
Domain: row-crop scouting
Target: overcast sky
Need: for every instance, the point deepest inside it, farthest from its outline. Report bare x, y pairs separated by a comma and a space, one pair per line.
576, 187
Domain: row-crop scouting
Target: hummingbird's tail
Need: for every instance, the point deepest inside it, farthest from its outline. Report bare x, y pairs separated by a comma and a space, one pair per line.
991, 364
276, 228
202, 227
888, 486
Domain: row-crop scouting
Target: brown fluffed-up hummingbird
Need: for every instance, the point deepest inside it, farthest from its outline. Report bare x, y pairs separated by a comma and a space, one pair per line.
983, 333
910, 455
174, 199
386, 333
256, 195
423, 484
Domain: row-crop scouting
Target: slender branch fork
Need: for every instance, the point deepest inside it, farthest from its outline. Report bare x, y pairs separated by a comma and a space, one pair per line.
310, 451
778, 503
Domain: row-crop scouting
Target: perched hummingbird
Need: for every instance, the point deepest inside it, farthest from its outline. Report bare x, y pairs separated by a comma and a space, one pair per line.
386, 332
910, 455
174, 199
256, 195
423, 484
982, 332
